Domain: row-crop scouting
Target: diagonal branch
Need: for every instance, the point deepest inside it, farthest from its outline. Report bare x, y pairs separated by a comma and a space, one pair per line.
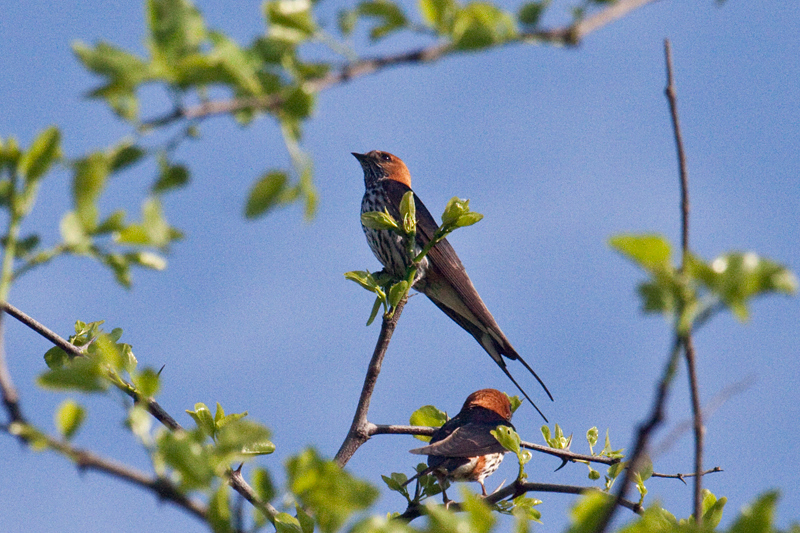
568, 35
73, 351
516, 489
360, 429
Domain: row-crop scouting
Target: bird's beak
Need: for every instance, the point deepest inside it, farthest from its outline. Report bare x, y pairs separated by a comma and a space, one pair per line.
361, 157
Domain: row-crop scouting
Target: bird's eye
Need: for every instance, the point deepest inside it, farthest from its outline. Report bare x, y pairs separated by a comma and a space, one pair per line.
386, 157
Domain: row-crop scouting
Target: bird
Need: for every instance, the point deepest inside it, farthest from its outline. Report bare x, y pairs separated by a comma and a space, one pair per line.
463, 449
441, 276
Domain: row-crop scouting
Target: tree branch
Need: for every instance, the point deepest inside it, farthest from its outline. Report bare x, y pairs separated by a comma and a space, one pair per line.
360, 428
569, 35
697, 412
242, 487
73, 351
516, 489
7, 388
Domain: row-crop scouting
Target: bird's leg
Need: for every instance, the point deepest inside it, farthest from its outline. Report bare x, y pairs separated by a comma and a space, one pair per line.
483, 488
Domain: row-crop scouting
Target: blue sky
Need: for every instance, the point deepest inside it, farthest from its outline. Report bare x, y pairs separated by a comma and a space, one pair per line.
559, 149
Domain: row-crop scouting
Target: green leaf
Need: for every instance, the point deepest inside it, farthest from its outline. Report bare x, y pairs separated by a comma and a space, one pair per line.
757, 517
171, 177
427, 415
651, 252
290, 20
262, 484
480, 25
73, 233
265, 194
80, 374
202, 417
389, 17
738, 277
176, 30
219, 511
468, 219
286, 523
69, 417
121, 68
88, 182
124, 156
242, 439
591, 437
114, 222
147, 382
239, 65
408, 210
326, 490
39, 157
55, 357
531, 13
380, 220
183, 451
508, 438
594, 475
712, 509
298, 104
375, 308
454, 209
587, 512
439, 14
397, 291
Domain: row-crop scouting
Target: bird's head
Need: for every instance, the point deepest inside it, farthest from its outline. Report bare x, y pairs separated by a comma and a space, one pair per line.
490, 399
379, 165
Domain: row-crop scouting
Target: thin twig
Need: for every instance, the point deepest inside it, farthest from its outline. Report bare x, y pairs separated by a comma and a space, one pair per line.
565, 455
518, 488
241, 486
682, 476
569, 35
73, 351
360, 428
7, 388
691, 364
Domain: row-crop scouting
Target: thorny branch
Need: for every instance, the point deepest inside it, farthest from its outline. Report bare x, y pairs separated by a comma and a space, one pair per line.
571, 35
516, 489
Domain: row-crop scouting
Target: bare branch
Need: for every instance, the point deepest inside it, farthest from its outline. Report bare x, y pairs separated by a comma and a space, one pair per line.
7, 388
242, 487
681, 476
360, 429
691, 364
569, 35
518, 488
73, 351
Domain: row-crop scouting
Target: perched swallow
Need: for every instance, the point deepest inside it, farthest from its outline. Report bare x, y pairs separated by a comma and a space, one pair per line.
441, 276
463, 449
